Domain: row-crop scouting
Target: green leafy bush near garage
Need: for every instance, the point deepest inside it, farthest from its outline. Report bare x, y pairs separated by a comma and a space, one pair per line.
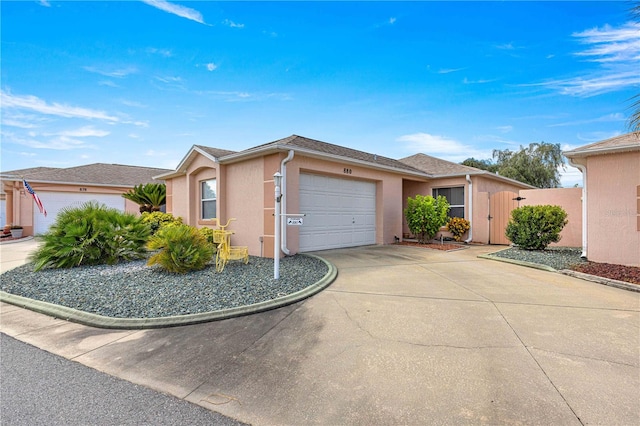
535, 227
425, 215
91, 234
180, 249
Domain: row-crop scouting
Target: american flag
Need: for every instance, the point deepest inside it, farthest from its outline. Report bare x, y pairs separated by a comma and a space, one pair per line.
35, 197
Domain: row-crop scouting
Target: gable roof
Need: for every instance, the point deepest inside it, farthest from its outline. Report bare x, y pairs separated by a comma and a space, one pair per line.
92, 174
622, 143
438, 166
319, 149
215, 152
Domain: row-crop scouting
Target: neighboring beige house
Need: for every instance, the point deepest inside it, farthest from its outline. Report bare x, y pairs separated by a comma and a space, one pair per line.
58, 188
611, 199
349, 197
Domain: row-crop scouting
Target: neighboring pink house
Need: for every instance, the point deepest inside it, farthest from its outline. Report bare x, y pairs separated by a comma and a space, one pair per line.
58, 188
349, 197
611, 199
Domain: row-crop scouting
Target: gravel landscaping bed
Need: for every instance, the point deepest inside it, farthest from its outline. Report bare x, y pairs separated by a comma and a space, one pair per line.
135, 290
556, 257
569, 258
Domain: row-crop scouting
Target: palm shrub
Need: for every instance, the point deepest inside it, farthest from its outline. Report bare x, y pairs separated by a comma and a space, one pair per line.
91, 234
181, 248
426, 215
158, 220
458, 226
535, 227
150, 196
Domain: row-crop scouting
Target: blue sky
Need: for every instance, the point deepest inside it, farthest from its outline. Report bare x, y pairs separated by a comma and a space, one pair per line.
141, 82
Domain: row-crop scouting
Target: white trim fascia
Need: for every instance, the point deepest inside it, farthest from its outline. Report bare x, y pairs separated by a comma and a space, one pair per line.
598, 151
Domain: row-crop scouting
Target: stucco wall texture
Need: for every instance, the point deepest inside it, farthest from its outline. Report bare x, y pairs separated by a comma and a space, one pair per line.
613, 208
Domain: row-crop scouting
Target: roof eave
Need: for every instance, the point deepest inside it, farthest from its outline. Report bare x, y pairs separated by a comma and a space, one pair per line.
599, 151
53, 182
486, 174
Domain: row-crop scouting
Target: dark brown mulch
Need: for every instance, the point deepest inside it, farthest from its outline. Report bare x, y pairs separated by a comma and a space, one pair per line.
630, 274
443, 247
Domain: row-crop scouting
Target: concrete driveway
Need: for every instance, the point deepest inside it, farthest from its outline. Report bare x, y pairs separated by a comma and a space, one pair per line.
403, 336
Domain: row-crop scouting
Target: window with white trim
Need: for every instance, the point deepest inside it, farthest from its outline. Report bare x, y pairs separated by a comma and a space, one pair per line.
208, 199
455, 197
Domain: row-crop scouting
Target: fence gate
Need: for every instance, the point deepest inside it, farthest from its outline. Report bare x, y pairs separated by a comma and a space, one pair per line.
500, 206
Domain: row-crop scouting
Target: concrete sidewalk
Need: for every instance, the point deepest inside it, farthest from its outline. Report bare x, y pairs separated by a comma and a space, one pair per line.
403, 336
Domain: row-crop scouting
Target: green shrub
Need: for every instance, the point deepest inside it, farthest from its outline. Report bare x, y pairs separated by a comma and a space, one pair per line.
458, 226
535, 227
159, 220
91, 234
182, 248
426, 215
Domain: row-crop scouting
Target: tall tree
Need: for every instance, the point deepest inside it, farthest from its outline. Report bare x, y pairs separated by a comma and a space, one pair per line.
538, 164
487, 165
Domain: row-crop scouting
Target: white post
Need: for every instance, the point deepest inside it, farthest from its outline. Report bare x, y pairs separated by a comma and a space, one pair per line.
277, 180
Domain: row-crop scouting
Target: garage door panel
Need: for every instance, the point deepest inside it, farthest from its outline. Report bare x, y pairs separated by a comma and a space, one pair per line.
339, 212
54, 202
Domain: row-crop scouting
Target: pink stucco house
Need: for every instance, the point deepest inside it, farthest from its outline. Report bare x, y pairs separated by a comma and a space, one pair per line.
611, 199
349, 197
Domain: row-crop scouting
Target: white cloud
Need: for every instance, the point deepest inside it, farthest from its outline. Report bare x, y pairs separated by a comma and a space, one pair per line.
83, 132
609, 44
60, 143
35, 104
570, 177
505, 129
211, 66
230, 23
162, 52
44, 3
134, 104
181, 11
449, 70
115, 73
481, 81
107, 83
441, 147
614, 117
392, 20
615, 50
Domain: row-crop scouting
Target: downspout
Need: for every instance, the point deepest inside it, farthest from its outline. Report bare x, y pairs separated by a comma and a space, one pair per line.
582, 169
283, 212
468, 240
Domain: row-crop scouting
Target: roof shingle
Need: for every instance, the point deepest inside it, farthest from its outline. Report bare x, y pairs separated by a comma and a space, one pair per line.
626, 142
98, 173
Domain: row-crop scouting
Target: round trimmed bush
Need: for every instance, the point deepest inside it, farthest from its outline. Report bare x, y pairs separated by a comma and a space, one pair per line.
535, 227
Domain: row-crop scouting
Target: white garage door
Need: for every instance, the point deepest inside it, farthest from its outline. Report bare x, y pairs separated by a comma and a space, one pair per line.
339, 212
55, 201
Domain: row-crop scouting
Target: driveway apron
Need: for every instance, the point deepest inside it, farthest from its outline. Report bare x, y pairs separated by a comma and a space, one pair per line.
403, 336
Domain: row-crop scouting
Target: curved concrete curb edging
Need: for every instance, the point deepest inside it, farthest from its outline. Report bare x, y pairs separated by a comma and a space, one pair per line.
101, 321
587, 277
517, 262
601, 280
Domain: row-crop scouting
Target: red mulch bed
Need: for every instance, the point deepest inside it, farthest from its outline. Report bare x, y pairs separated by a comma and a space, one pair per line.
630, 274
443, 247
